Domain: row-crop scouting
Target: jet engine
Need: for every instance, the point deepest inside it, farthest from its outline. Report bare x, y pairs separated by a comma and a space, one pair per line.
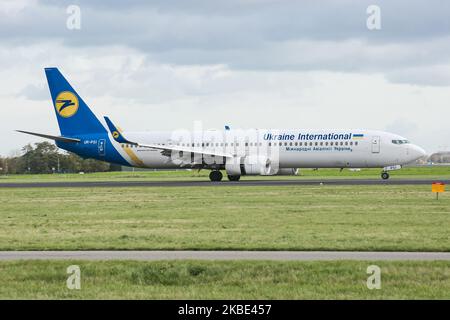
249, 165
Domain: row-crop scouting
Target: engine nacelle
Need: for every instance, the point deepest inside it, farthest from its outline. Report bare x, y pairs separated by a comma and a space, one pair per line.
256, 165
287, 172
250, 165
233, 167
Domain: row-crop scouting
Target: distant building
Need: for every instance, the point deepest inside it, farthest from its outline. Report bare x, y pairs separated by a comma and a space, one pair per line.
440, 157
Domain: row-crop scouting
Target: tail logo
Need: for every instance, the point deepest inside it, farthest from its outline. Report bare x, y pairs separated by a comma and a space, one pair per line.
66, 104
115, 134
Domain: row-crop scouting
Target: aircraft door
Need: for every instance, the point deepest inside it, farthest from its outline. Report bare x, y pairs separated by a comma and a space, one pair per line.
375, 144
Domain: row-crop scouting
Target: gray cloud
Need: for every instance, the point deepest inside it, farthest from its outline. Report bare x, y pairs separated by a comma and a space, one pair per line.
34, 93
403, 127
255, 35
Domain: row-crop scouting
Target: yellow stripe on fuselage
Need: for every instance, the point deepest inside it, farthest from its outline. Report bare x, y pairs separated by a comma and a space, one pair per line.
133, 156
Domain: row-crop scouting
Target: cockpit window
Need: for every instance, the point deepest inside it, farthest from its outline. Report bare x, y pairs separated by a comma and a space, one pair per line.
400, 141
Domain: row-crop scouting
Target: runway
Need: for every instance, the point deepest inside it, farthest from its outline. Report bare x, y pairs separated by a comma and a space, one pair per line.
207, 183
222, 255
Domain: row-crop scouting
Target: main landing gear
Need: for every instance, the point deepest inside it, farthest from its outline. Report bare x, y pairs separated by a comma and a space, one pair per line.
384, 175
234, 178
215, 175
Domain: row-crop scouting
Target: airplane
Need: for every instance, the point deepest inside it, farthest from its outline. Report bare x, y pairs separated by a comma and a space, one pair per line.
237, 152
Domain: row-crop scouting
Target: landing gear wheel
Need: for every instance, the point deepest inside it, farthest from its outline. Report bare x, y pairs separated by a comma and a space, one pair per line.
234, 178
385, 175
215, 175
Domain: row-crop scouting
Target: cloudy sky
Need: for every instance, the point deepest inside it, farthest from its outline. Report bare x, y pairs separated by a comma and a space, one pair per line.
163, 64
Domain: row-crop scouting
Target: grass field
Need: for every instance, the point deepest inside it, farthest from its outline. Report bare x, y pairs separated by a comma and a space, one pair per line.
384, 217
224, 280
258, 218
435, 172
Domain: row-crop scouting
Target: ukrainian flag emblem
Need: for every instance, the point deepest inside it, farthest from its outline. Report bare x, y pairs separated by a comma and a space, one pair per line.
358, 136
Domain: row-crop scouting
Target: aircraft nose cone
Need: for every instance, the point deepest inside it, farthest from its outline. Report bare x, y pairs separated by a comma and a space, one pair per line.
417, 152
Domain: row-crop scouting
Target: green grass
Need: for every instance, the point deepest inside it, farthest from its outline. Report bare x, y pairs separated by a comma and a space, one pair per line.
252, 218
224, 280
435, 172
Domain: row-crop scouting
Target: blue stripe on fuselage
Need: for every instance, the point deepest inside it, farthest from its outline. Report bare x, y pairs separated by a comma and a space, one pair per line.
88, 147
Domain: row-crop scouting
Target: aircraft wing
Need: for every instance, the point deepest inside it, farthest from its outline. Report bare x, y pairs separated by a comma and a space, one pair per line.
118, 136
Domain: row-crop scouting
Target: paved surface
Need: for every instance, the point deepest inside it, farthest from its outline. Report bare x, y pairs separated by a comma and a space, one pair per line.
220, 255
205, 183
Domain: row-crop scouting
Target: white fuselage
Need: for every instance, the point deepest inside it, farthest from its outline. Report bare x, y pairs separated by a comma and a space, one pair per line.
295, 148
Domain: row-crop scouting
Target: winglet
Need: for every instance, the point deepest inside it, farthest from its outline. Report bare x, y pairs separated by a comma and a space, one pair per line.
115, 132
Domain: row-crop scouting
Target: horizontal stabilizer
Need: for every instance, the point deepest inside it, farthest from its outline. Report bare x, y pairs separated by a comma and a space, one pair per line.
47, 136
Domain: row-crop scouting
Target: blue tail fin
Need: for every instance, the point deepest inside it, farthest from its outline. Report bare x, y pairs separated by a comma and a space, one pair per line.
73, 114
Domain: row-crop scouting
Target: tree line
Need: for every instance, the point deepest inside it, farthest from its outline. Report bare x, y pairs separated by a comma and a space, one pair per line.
45, 157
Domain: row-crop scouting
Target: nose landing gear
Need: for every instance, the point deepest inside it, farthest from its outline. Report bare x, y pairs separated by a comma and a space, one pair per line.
385, 172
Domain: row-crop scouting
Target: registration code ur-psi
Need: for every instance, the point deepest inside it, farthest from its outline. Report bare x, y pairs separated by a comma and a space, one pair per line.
246, 309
